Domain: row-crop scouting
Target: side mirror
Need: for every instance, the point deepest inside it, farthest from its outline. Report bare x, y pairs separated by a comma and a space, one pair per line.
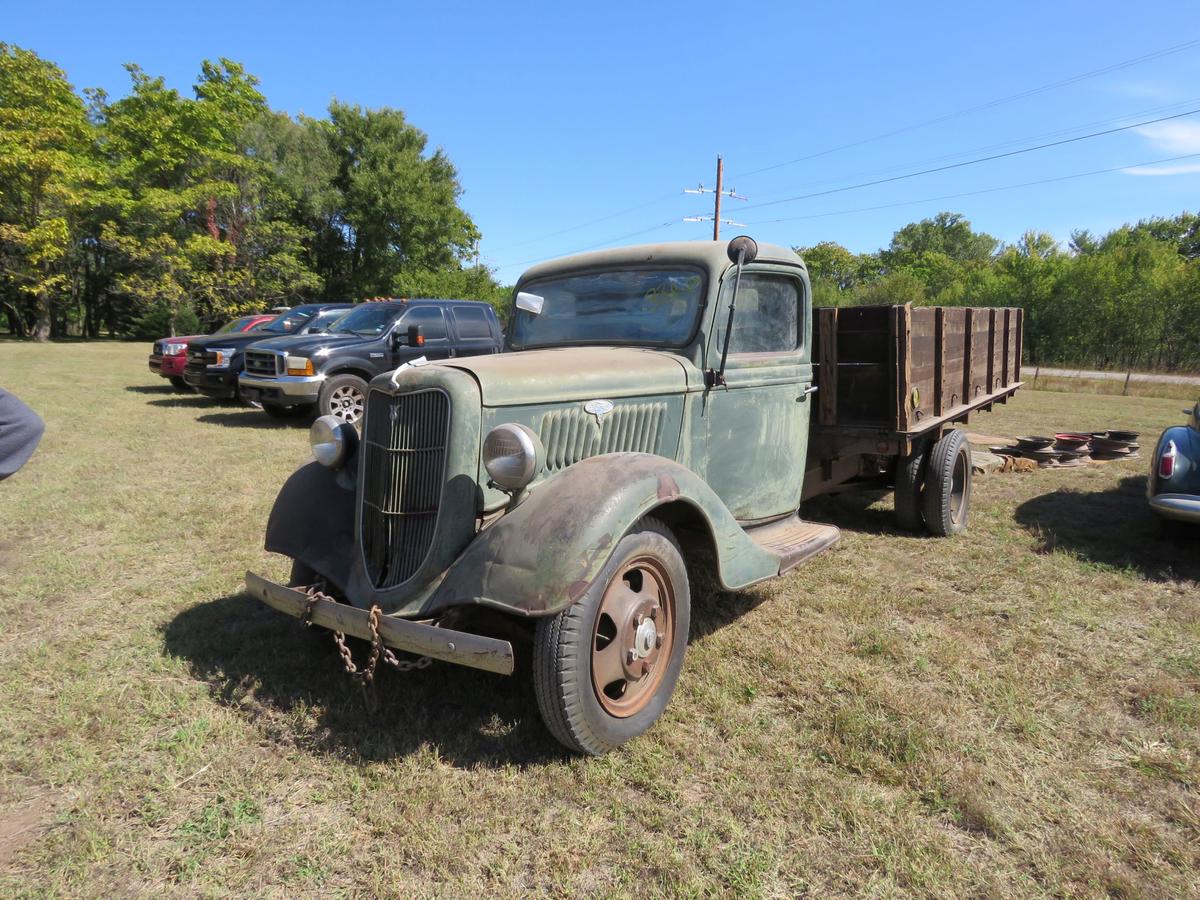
742, 249
414, 336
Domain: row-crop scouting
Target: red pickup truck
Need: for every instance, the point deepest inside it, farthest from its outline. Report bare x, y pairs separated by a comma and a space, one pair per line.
168, 356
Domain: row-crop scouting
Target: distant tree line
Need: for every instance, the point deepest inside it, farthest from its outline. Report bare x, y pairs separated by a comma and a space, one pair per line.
158, 212
1127, 300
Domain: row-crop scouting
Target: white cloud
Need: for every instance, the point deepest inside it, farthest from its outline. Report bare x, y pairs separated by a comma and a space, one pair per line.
1184, 169
1173, 137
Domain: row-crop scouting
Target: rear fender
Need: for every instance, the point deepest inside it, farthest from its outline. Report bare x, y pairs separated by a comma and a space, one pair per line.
1186, 478
542, 555
313, 520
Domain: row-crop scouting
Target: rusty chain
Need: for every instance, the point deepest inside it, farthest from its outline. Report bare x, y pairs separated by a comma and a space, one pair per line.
366, 674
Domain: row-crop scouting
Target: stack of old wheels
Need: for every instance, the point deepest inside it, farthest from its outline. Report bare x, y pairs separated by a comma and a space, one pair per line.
933, 486
605, 667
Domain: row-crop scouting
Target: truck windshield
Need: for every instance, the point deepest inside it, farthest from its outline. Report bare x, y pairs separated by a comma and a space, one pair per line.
368, 320
291, 322
642, 306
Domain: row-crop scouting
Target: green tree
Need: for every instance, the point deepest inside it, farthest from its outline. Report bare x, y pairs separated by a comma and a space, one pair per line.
399, 205
44, 138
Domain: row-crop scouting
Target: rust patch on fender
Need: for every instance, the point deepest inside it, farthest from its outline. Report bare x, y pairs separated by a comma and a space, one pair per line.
576, 590
667, 488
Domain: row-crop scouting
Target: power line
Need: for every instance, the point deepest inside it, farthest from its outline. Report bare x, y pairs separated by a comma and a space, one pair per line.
992, 190
972, 162
1124, 64
1008, 143
606, 218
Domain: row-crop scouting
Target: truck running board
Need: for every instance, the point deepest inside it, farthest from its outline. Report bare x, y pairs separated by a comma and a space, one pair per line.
793, 540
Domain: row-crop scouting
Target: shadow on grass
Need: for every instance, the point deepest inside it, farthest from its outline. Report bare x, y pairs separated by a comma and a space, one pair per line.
271, 668
267, 665
1113, 527
186, 400
856, 511
158, 389
249, 417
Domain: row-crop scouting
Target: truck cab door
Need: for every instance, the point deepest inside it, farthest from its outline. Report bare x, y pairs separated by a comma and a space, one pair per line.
756, 424
433, 329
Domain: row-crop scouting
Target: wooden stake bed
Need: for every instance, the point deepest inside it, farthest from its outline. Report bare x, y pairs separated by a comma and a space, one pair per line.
891, 376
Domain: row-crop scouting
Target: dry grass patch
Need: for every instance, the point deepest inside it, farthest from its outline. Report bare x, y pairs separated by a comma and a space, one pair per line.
1012, 713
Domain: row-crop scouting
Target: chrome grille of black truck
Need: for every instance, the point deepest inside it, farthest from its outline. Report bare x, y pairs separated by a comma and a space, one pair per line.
263, 363
403, 467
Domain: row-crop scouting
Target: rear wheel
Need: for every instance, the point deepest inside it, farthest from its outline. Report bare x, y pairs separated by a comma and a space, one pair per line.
910, 485
605, 668
344, 397
947, 497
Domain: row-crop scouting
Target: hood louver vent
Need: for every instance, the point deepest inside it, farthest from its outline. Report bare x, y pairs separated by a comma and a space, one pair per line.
570, 435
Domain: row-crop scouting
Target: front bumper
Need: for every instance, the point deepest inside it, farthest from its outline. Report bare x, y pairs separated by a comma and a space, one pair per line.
220, 384
172, 366
460, 647
286, 390
1182, 507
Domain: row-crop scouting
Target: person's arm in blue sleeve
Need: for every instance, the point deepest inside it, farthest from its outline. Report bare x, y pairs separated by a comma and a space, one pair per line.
20, 431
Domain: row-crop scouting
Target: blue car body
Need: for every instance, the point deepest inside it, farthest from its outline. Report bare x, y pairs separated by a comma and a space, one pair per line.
1177, 496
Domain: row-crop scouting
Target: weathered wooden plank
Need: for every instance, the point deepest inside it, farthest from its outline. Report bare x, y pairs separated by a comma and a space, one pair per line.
1020, 343
828, 394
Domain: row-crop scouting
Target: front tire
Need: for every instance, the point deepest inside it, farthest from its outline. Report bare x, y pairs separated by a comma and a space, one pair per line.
178, 383
605, 667
343, 397
947, 498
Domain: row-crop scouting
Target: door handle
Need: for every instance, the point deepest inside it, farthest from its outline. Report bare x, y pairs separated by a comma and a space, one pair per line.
810, 389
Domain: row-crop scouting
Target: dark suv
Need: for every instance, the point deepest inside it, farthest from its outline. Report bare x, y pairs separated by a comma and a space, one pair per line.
330, 371
213, 363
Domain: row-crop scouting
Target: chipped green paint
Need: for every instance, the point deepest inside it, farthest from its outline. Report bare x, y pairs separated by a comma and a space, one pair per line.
713, 458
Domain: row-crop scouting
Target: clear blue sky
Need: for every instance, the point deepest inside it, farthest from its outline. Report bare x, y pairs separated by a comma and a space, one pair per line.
559, 114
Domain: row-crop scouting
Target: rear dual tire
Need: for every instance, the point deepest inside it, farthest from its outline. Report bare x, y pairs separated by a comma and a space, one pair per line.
933, 486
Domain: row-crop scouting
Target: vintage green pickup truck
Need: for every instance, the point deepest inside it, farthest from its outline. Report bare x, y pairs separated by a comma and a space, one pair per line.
656, 410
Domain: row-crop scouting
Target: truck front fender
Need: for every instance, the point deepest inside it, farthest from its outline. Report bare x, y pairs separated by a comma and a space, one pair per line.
313, 520
542, 555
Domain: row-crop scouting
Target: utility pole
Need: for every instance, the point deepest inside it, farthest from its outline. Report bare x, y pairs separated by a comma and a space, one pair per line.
717, 200
718, 193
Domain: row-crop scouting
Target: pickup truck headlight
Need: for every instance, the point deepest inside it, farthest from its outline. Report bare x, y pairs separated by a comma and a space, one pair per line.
220, 359
174, 349
332, 441
299, 365
512, 455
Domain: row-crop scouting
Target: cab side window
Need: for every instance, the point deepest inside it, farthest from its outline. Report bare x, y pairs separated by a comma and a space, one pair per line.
472, 322
767, 318
431, 320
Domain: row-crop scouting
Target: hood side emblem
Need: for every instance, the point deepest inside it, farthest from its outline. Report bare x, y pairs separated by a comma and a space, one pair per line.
599, 409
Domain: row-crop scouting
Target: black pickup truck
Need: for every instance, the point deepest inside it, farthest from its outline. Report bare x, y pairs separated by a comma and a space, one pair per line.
328, 373
214, 363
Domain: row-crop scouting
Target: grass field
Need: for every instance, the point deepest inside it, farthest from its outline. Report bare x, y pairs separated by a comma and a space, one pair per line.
1013, 712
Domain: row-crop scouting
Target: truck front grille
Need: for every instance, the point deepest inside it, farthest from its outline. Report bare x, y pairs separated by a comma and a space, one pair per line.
197, 360
403, 467
570, 435
263, 363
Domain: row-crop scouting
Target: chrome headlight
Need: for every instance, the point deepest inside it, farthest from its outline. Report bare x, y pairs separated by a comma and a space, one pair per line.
512, 455
221, 359
174, 349
332, 441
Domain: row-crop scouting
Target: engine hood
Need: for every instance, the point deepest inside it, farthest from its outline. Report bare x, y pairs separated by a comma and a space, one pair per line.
577, 373
235, 341
309, 344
